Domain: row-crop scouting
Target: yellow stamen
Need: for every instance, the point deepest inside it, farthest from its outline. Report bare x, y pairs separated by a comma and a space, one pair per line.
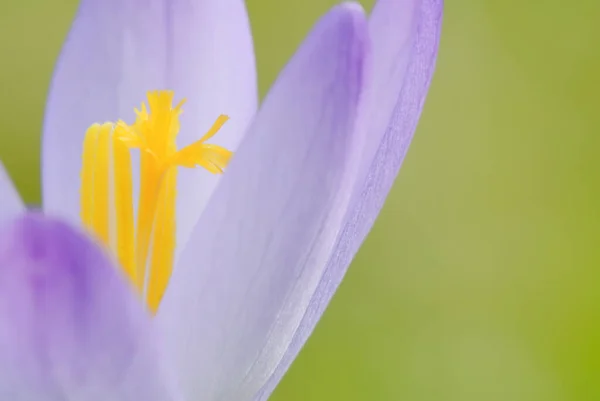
124, 205
100, 221
145, 250
87, 175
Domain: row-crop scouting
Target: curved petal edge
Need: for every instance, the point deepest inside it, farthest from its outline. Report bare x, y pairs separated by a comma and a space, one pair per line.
381, 166
70, 327
244, 281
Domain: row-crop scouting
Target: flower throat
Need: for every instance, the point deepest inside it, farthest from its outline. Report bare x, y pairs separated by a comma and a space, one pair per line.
144, 244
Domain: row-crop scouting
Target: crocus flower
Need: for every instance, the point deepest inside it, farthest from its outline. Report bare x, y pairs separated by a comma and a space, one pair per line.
221, 277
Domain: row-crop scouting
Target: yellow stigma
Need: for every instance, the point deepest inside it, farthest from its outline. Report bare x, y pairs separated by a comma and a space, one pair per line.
144, 247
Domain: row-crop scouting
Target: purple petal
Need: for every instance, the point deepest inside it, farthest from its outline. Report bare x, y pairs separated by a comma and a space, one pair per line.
11, 204
70, 328
240, 289
116, 51
405, 36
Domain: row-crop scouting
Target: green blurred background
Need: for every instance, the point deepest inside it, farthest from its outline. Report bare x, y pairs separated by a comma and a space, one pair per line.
481, 278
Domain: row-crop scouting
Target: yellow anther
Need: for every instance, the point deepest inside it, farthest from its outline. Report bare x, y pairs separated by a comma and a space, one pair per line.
145, 249
212, 157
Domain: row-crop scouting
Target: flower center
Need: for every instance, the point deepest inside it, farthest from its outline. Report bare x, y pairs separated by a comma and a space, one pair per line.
145, 248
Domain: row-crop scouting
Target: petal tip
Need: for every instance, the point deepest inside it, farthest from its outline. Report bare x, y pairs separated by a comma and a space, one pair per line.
349, 12
345, 29
352, 7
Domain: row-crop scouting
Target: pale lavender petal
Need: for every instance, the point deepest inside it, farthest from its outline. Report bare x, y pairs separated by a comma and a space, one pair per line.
116, 51
11, 204
405, 36
241, 287
70, 328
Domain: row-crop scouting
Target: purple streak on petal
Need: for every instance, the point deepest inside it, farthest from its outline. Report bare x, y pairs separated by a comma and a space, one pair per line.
116, 51
403, 72
11, 204
241, 286
70, 328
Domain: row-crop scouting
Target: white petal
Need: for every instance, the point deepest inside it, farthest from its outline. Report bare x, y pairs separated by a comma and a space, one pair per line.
405, 36
258, 250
